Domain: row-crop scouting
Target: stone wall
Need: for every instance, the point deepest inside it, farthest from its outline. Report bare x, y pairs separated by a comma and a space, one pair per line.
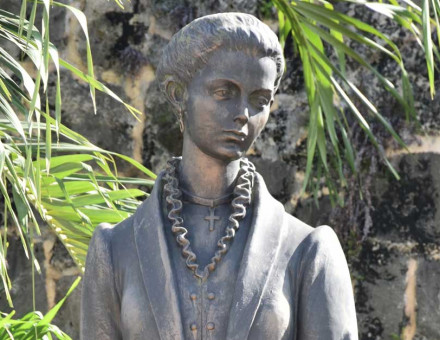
391, 236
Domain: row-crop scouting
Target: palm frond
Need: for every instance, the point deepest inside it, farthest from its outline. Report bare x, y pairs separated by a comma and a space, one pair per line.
57, 181
34, 325
316, 27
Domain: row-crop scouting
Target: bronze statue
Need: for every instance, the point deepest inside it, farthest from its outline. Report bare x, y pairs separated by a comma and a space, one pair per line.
211, 254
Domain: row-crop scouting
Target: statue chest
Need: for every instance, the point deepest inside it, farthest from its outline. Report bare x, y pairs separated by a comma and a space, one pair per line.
205, 308
241, 299
205, 304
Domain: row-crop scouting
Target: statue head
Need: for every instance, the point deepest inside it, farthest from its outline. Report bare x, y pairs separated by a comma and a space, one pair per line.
191, 47
215, 47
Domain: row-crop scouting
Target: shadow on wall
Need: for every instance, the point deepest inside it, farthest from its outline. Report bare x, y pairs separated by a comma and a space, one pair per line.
395, 270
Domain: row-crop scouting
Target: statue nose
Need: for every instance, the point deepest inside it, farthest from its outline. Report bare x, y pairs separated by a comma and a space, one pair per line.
243, 115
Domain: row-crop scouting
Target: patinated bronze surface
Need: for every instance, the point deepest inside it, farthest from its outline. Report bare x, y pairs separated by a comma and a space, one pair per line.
211, 254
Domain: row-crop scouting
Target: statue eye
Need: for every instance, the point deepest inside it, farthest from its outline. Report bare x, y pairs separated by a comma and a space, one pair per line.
222, 93
261, 101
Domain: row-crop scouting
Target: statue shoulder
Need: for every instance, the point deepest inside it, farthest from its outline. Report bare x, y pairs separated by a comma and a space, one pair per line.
106, 232
322, 238
296, 228
120, 236
321, 246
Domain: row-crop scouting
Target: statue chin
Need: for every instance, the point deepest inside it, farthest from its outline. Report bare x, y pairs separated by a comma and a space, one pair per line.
211, 254
227, 154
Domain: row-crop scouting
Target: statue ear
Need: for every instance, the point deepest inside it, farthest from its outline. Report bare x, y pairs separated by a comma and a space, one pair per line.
176, 94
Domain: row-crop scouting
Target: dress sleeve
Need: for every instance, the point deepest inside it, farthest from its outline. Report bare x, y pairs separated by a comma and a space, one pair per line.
326, 305
100, 306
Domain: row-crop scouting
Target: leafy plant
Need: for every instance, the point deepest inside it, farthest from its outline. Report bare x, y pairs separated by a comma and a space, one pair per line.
49, 170
46, 168
319, 30
34, 326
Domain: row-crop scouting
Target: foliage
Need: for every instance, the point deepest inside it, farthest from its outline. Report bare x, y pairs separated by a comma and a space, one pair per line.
65, 190
45, 168
34, 326
51, 172
318, 31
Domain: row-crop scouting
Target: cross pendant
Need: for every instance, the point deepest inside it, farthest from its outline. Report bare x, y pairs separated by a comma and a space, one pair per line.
212, 218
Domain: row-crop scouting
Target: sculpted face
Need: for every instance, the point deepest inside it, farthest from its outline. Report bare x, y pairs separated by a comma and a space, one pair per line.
228, 103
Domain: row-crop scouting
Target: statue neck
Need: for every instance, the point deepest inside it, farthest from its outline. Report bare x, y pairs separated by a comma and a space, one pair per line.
205, 176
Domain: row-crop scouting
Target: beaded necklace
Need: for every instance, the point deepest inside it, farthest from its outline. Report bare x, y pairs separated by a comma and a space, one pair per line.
242, 198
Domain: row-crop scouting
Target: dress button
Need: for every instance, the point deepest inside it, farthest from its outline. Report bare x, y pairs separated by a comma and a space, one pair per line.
211, 296
210, 326
193, 327
193, 297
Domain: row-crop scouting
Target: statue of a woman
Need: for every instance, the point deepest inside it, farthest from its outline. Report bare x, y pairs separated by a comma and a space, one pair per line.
211, 254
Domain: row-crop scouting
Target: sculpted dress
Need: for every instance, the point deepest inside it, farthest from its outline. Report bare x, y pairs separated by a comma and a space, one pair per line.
281, 279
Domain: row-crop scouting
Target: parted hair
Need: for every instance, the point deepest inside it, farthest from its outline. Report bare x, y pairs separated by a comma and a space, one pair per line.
190, 48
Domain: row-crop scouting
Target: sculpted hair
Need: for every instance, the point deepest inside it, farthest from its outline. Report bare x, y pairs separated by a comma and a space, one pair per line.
190, 48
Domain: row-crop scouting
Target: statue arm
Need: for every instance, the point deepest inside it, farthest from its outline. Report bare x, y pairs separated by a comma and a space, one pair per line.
326, 305
100, 306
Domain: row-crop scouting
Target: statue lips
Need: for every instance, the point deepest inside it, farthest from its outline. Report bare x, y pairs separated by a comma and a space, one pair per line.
235, 135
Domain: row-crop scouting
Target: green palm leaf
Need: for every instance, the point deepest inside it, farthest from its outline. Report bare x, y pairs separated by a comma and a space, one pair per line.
55, 180
34, 325
314, 25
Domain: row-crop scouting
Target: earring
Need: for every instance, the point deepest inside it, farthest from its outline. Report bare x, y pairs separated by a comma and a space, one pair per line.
180, 117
